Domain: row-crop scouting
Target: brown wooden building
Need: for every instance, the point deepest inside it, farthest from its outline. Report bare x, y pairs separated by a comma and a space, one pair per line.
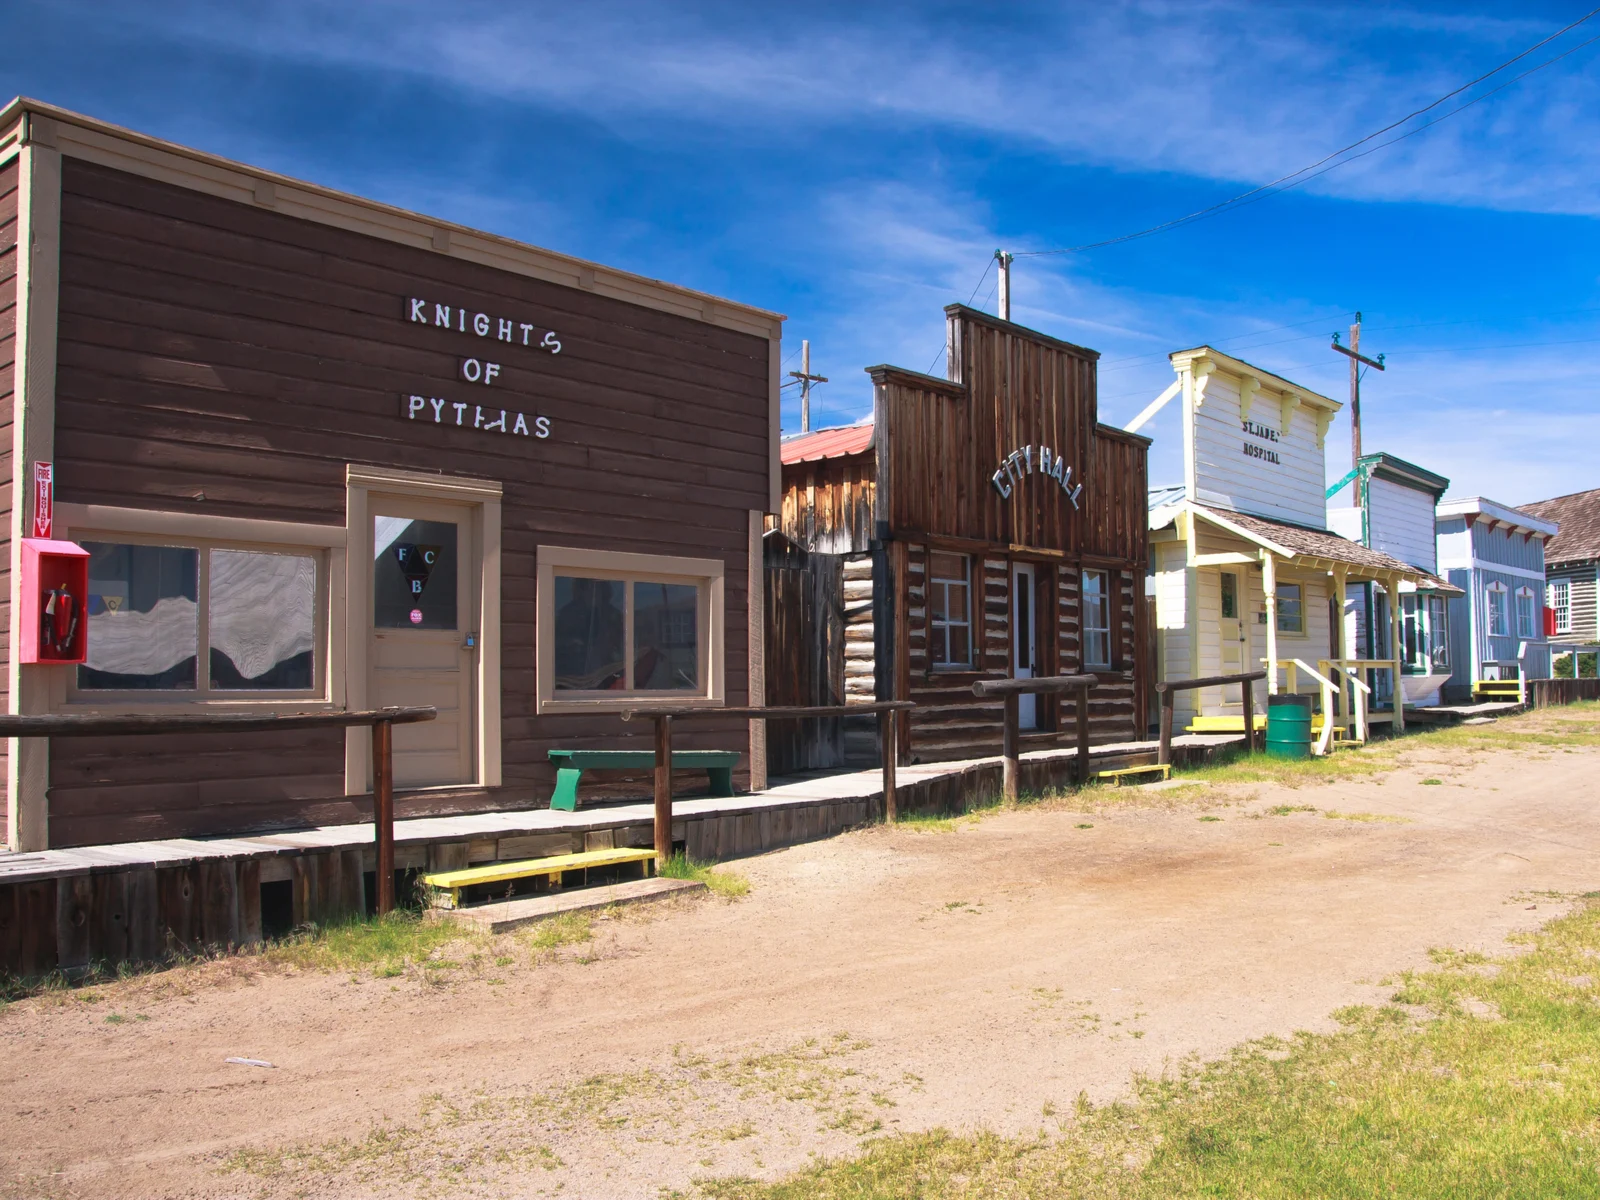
985, 525
325, 453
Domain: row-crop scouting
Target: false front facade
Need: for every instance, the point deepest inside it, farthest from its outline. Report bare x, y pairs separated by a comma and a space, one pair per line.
982, 525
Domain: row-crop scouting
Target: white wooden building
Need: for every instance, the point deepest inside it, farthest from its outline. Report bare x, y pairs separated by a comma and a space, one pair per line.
1245, 570
1389, 504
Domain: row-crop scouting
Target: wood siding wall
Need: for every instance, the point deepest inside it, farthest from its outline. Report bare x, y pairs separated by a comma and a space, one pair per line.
219, 358
1581, 597
9, 177
827, 505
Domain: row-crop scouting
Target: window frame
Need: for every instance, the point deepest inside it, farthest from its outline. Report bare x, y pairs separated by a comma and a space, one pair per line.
1085, 629
1559, 601
323, 544
1533, 630
1496, 596
939, 628
1299, 628
1438, 634
705, 574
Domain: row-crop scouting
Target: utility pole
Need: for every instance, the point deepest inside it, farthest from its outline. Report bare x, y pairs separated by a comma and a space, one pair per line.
806, 379
1004, 259
1353, 353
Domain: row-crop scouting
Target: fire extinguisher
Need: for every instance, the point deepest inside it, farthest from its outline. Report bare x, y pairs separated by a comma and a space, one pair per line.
59, 622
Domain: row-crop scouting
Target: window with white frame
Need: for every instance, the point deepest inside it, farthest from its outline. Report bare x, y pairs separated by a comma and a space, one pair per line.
619, 626
185, 617
1527, 613
1095, 605
949, 609
1438, 633
1499, 610
1560, 600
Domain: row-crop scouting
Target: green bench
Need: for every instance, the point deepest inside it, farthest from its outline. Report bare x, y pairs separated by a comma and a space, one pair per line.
571, 764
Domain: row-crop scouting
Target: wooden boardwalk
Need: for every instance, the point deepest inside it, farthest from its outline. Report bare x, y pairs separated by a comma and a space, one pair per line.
139, 900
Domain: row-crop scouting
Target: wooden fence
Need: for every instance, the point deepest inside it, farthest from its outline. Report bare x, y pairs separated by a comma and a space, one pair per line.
1547, 693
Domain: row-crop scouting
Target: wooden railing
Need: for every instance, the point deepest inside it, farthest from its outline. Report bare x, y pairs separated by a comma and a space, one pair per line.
888, 735
1011, 690
1167, 690
382, 721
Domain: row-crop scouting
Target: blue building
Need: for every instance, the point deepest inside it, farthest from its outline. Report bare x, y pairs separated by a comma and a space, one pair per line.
1495, 554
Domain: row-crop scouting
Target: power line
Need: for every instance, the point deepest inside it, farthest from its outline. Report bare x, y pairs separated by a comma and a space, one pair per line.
975, 288
1304, 174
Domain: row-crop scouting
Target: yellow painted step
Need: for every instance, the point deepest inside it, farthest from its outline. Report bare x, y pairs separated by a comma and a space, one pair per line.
1162, 769
454, 881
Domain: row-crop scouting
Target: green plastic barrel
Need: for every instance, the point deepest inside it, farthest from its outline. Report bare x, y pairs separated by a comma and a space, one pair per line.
1289, 726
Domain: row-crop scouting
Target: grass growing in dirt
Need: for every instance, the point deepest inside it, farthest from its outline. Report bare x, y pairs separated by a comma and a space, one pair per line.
385, 945
730, 885
1477, 1079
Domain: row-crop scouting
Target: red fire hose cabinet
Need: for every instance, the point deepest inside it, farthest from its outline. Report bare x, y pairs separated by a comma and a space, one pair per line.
55, 591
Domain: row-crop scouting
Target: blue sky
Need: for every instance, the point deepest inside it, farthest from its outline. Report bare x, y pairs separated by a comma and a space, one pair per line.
855, 166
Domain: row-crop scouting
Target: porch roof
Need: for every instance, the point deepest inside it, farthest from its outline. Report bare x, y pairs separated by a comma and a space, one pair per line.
1318, 548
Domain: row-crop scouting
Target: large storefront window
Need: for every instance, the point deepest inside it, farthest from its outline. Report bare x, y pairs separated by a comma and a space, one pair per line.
199, 619
619, 625
950, 609
1096, 607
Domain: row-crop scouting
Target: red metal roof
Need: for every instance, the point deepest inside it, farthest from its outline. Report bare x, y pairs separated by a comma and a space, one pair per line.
827, 443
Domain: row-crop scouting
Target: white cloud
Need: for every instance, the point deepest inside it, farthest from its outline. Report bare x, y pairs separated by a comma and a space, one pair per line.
1234, 92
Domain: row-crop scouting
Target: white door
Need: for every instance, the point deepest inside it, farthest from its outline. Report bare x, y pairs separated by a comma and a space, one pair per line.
1232, 630
423, 648
1024, 640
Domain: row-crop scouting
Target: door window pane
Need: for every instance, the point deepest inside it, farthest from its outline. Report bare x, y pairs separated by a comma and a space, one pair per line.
261, 615
144, 624
591, 628
666, 636
1230, 596
413, 573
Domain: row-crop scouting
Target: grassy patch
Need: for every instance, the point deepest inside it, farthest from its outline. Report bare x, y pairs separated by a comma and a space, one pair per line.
545, 937
1333, 814
1493, 1091
730, 885
383, 945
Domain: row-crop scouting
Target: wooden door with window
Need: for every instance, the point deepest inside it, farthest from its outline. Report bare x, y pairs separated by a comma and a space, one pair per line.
1024, 641
1232, 631
423, 636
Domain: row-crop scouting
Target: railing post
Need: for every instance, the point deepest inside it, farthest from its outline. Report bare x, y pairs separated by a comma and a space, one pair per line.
1247, 704
383, 811
1008, 749
663, 790
888, 735
1164, 755
1083, 735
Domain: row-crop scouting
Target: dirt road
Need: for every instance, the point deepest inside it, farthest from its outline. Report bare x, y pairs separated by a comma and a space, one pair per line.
887, 979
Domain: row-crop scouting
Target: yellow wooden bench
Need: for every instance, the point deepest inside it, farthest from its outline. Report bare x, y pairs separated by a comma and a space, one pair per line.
1162, 769
453, 881
1223, 724
1497, 689
1226, 724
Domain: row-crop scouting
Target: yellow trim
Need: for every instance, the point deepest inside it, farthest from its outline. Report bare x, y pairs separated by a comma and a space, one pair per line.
554, 867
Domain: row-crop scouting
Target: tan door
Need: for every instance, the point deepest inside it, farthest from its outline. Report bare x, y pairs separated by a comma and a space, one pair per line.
424, 641
1232, 631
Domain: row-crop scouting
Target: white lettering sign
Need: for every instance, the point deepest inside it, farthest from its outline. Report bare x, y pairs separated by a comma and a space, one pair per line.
488, 420
1024, 461
462, 320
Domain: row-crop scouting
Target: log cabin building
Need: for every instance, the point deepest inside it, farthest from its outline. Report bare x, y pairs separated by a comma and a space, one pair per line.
984, 525
324, 453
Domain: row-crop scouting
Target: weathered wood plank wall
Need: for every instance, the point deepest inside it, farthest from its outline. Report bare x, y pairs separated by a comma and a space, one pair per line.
220, 358
827, 504
9, 175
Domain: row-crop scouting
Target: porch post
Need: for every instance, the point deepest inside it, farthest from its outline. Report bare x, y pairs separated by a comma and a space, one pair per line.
1340, 575
1399, 654
1269, 589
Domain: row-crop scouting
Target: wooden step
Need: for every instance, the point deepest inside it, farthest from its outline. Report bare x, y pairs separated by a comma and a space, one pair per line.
452, 882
